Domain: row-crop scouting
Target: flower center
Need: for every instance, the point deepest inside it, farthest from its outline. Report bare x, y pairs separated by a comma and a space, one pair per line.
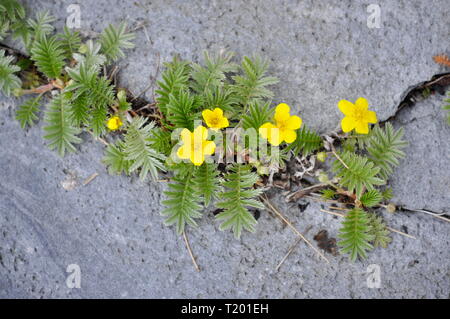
214, 121
282, 125
358, 114
197, 147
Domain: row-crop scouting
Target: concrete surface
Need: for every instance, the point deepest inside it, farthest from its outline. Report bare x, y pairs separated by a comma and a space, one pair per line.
322, 51
422, 181
111, 228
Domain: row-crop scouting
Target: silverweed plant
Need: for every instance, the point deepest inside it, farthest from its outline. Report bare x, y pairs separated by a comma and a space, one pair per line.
212, 129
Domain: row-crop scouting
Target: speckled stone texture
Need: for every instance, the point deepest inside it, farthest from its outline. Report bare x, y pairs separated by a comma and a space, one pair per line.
322, 51
111, 227
423, 179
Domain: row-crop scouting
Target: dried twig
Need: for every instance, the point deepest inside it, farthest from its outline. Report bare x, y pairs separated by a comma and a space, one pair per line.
339, 158
288, 253
284, 219
304, 191
188, 246
90, 179
437, 215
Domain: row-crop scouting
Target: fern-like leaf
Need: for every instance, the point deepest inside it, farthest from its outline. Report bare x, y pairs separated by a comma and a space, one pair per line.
237, 197
80, 111
207, 182
138, 149
379, 231
258, 114
71, 42
306, 142
253, 84
12, 9
59, 129
357, 173
48, 55
8, 80
5, 26
355, 234
183, 201
175, 78
213, 74
387, 193
26, 113
328, 193
97, 91
116, 159
21, 30
114, 39
180, 110
90, 56
221, 97
371, 198
161, 141
42, 25
385, 148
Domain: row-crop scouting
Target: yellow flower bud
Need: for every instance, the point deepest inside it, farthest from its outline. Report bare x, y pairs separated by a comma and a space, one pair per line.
321, 156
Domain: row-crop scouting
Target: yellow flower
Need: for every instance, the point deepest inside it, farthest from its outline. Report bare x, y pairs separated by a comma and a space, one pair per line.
195, 146
357, 116
285, 127
215, 119
114, 123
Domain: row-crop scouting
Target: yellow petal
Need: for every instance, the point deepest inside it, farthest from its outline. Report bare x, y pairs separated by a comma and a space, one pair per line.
265, 129
294, 122
275, 137
282, 112
197, 159
114, 123
224, 122
184, 152
288, 136
207, 115
200, 133
362, 127
186, 136
218, 112
209, 147
362, 103
346, 107
370, 117
347, 124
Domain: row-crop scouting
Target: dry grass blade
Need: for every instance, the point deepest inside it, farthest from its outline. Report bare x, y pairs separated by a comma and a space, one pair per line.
288, 253
304, 191
90, 179
188, 246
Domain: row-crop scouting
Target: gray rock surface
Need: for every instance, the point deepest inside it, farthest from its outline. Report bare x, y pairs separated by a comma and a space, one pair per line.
422, 181
321, 51
111, 227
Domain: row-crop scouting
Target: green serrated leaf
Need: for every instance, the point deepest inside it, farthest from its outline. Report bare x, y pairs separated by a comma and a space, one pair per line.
355, 234
114, 39
237, 197
371, 198
60, 132
26, 113
357, 173
183, 200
